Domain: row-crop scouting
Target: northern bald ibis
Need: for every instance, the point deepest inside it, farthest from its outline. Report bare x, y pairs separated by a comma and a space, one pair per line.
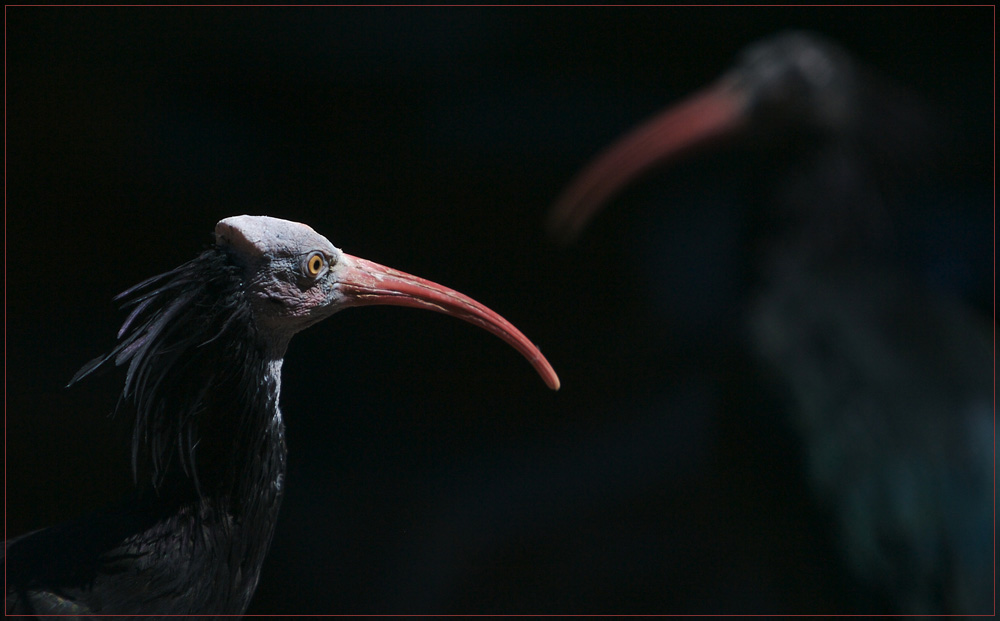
888, 381
203, 346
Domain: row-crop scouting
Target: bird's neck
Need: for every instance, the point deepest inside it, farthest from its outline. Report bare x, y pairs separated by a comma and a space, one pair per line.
831, 212
208, 443
229, 510
236, 462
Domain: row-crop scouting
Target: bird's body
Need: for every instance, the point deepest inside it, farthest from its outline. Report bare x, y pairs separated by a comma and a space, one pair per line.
894, 409
887, 382
143, 558
203, 347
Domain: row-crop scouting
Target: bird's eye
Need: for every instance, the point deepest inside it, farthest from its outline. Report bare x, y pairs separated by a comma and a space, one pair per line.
314, 264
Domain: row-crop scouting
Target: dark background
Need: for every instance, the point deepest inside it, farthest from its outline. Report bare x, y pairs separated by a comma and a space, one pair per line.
430, 470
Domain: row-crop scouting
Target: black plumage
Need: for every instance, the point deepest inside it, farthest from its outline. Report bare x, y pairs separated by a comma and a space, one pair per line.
203, 347
887, 381
197, 376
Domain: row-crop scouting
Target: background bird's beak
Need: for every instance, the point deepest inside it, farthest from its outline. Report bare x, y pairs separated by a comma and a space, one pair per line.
711, 113
365, 283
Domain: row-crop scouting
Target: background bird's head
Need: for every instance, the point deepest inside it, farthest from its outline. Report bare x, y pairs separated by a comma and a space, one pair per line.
796, 78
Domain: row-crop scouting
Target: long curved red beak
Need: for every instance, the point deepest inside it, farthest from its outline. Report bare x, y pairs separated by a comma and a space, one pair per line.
715, 111
364, 283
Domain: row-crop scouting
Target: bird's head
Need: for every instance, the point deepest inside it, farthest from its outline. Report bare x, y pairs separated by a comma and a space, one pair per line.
290, 271
796, 78
792, 82
201, 341
294, 277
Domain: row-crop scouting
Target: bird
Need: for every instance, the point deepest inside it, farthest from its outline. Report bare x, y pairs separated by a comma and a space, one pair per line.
203, 346
885, 378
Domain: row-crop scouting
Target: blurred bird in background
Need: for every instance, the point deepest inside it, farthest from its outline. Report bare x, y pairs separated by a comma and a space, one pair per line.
887, 379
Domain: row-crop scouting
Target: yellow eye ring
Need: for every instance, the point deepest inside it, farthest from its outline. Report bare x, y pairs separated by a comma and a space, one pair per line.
315, 263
